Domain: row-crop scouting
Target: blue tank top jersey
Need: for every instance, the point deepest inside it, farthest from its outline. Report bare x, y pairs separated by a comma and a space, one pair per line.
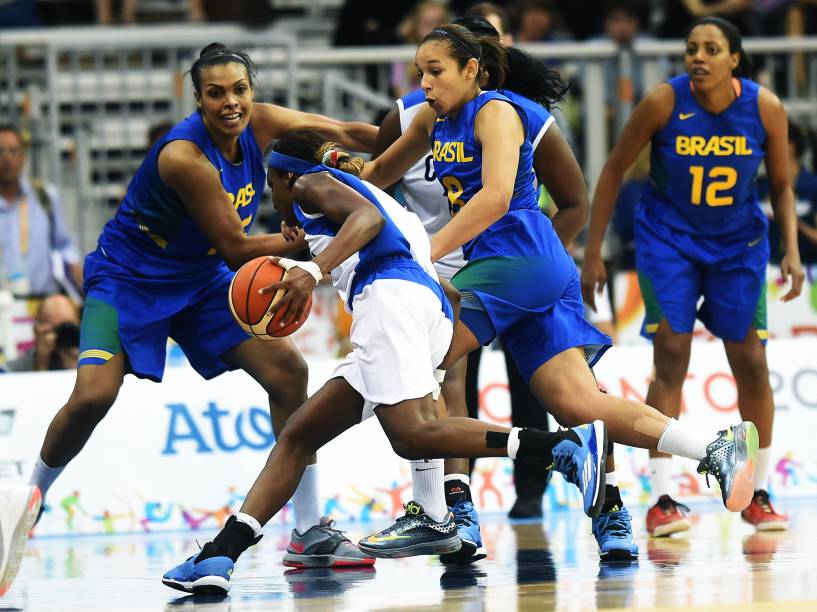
538, 117
458, 164
703, 167
387, 255
152, 234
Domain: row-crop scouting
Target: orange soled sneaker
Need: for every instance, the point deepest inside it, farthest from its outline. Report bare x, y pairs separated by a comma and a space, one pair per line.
667, 517
762, 515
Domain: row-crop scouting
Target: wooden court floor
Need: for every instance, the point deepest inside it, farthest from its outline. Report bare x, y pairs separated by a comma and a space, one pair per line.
721, 564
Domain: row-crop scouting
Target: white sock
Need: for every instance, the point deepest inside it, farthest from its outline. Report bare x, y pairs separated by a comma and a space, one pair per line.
251, 521
427, 487
44, 476
764, 458
513, 442
683, 441
660, 478
611, 479
305, 504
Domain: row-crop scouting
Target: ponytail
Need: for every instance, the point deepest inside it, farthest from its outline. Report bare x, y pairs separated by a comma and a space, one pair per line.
311, 147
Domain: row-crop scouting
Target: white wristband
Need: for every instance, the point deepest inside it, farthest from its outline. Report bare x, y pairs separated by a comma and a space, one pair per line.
308, 266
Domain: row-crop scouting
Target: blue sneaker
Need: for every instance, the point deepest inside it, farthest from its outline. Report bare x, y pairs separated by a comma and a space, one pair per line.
210, 576
467, 521
614, 534
580, 459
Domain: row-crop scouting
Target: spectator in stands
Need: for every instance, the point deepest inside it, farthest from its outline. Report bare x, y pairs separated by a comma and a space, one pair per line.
18, 14
805, 193
426, 16
56, 338
680, 13
537, 21
32, 227
362, 22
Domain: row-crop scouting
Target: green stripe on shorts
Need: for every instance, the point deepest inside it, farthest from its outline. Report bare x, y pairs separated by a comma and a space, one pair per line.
760, 320
99, 333
653, 312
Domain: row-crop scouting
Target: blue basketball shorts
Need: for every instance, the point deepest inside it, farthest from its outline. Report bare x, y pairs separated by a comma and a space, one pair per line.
676, 270
137, 315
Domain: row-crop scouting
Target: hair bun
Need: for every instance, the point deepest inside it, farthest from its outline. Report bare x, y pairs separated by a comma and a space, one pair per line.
332, 157
214, 47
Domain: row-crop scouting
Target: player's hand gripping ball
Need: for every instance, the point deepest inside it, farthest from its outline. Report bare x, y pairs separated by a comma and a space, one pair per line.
251, 309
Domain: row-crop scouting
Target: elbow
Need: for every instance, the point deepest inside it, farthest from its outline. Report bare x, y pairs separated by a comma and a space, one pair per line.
376, 223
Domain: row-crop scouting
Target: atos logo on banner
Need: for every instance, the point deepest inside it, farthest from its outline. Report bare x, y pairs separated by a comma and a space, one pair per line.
217, 429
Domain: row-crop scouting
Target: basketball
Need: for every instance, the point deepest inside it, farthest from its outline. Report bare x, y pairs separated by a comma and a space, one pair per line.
250, 308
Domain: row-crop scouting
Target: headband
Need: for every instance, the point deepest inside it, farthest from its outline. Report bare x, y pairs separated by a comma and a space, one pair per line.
459, 42
233, 56
280, 161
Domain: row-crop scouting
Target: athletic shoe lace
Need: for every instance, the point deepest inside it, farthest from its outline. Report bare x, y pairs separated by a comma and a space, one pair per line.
564, 464
462, 513
615, 523
329, 525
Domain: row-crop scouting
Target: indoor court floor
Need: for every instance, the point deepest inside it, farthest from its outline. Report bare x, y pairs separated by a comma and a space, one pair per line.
721, 564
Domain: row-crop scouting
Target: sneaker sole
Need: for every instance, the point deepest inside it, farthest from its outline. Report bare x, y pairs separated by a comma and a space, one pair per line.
618, 555
600, 433
438, 547
324, 561
17, 542
206, 585
743, 485
663, 531
771, 526
469, 553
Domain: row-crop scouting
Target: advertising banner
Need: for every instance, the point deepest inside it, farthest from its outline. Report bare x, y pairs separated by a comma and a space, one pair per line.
181, 454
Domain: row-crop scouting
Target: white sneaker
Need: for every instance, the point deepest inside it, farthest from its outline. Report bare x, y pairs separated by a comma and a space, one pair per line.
19, 507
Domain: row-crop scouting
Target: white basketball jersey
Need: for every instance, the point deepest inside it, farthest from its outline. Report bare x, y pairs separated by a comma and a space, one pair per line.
423, 193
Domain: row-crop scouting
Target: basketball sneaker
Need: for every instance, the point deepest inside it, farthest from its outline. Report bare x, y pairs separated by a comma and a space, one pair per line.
614, 534
731, 460
579, 457
324, 546
414, 533
666, 517
465, 515
210, 576
762, 516
18, 511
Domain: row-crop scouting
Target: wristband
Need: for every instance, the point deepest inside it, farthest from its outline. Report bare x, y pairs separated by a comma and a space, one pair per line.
308, 266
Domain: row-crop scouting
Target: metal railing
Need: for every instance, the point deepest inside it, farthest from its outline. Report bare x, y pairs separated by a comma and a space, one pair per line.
89, 95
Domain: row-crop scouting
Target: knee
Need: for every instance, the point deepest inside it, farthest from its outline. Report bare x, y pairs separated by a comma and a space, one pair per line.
671, 362
295, 440
409, 444
287, 377
571, 408
751, 367
90, 405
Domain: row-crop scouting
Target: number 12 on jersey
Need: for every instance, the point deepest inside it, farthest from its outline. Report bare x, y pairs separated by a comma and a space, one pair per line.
720, 178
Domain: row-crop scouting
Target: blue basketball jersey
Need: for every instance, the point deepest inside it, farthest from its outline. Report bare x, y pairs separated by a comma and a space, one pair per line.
399, 251
152, 234
458, 164
703, 167
538, 117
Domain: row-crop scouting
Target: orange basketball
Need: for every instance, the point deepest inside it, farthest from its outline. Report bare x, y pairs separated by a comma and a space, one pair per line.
250, 308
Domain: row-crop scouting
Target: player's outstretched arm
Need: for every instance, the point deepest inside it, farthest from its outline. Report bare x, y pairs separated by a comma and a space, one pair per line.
390, 166
271, 122
781, 194
186, 170
651, 114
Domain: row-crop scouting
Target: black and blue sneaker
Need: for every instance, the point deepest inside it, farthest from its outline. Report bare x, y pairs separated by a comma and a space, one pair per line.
210, 576
414, 533
579, 457
467, 519
614, 534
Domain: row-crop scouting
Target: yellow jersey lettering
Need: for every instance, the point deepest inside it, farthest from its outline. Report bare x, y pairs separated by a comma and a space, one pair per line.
451, 152
716, 145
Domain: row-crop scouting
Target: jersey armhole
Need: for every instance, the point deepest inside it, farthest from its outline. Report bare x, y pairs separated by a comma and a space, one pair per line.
542, 131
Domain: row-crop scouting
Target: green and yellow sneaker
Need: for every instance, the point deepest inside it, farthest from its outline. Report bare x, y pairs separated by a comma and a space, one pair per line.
414, 533
731, 459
